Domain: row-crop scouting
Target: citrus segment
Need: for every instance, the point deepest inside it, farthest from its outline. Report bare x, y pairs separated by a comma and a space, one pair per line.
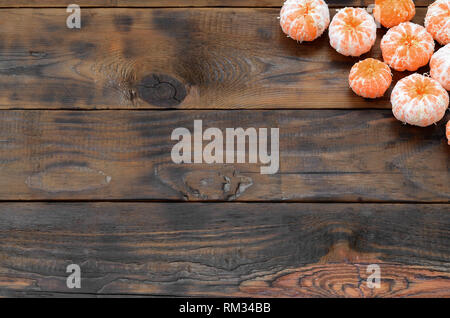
352, 31
370, 78
393, 12
440, 66
407, 46
419, 100
447, 131
437, 21
304, 20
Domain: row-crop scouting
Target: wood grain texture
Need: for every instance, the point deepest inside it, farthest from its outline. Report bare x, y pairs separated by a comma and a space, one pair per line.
179, 3
226, 249
216, 59
325, 155
220, 58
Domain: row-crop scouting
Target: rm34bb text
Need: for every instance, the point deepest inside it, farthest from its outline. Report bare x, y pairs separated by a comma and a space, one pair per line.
246, 307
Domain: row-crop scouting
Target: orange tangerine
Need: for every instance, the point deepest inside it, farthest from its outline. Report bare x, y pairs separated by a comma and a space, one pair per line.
437, 21
304, 20
447, 131
393, 12
370, 78
352, 31
440, 66
419, 100
407, 46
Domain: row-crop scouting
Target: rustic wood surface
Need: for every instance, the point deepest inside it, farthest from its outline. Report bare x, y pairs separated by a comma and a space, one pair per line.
224, 58
325, 155
85, 135
180, 3
225, 249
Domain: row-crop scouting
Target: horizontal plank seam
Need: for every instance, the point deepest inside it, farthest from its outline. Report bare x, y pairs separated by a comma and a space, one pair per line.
173, 7
187, 109
150, 201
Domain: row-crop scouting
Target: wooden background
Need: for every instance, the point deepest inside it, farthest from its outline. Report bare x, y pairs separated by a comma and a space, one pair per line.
86, 175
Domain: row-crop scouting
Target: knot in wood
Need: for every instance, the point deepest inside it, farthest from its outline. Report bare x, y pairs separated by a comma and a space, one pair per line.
161, 90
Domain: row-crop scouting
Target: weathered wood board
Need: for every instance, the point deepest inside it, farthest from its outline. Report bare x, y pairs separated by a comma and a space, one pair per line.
85, 134
325, 155
225, 249
180, 3
224, 58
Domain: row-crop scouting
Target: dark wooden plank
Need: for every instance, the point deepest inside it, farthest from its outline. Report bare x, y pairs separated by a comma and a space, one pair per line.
179, 3
170, 58
226, 249
325, 155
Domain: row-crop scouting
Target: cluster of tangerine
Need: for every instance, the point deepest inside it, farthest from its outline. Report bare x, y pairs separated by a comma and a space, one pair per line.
416, 99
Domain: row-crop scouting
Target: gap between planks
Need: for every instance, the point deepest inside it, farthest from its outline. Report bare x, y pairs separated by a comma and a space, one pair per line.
174, 7
150, 201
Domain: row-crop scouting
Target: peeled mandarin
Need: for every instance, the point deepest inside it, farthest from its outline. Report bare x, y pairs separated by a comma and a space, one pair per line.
304, 20
437, 21
407, 46
393, 12
419, 100
440, 66
352, 31
447, 131
370, 78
